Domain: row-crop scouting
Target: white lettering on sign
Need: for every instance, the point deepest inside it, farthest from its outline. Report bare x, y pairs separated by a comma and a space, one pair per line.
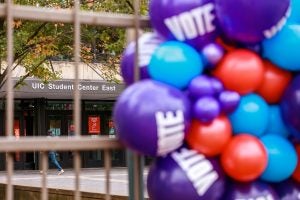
108, 88
170, 131
198, 169
64, 86
87, 87
265, 197
53, 86
277, 27
38, 86
193, 23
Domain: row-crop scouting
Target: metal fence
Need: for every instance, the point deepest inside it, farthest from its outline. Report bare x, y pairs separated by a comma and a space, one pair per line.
10, 144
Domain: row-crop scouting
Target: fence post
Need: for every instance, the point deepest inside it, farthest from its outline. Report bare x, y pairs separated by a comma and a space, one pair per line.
135, 164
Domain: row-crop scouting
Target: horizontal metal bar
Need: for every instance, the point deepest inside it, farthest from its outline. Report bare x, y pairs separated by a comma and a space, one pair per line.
110, 19
66, 16
27, 144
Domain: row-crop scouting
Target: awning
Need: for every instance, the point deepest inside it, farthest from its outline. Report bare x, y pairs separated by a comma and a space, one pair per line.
64, 89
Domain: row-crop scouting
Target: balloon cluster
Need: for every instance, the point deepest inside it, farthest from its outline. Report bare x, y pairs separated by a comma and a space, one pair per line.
219, 100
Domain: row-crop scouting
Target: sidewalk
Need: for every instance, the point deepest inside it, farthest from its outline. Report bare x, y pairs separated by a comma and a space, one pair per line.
91, 180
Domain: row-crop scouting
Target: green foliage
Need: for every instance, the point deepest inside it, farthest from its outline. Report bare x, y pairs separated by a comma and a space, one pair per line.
37, 43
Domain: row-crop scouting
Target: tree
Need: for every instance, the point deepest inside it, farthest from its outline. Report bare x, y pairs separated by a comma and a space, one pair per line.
37, 44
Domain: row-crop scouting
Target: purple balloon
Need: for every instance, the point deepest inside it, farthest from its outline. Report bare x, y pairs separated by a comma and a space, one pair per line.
212, 54
229, 100
148, 42
151, 117
251, 21
290, 107
185, 175
190, 21
288, 190
253, 190
201, 86
206, 109
217, 85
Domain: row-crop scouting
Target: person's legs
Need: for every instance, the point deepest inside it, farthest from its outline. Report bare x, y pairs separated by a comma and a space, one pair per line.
54, 161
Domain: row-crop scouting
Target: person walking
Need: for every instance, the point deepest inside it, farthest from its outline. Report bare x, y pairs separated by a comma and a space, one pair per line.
52, 157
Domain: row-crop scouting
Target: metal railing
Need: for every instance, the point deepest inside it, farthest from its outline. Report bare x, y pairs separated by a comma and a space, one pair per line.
9, 144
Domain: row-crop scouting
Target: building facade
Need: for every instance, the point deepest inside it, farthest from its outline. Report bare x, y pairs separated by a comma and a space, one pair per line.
39, 107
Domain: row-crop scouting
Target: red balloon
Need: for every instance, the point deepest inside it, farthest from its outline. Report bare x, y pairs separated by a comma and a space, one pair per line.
209, 138
241, 70
274, 83
244, 158
296, 174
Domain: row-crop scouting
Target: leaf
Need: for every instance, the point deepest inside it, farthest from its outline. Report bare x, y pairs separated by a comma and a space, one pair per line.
38, 41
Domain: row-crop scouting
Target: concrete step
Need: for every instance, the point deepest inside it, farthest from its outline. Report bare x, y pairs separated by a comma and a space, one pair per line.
34, 193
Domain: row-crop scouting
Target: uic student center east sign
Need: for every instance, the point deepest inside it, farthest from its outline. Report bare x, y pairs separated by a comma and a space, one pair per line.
40, 107
70, 86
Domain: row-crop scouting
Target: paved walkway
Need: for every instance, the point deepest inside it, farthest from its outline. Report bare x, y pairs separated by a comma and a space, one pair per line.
91, 180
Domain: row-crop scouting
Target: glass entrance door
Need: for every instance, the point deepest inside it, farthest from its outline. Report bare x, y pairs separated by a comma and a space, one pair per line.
55, 124
22, 127
98, 124
61, 124
94, 158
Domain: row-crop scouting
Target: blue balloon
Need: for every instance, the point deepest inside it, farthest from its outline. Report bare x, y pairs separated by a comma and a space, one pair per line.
276, 124
175, 63
295, 15
282, 158
283, 49
251, 115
